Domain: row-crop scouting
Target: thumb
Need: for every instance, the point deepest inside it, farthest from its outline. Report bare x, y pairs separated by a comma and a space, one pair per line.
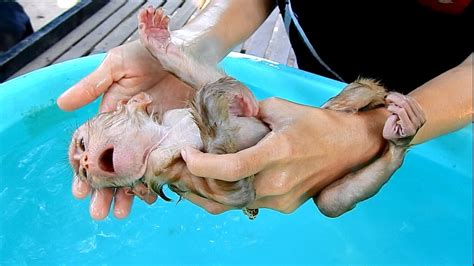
89, 88
231, 167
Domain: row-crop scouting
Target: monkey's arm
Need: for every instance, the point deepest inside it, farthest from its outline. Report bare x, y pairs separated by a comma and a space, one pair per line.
155, 37
446, 101
342, 195
221, 26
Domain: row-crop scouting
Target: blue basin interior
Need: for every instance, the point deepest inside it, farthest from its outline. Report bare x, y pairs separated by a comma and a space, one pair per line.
422, 216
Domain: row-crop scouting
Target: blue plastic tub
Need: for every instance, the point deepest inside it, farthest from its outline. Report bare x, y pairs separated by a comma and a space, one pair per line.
422, 216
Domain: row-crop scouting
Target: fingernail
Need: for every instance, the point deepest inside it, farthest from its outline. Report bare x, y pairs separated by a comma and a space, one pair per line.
120, 213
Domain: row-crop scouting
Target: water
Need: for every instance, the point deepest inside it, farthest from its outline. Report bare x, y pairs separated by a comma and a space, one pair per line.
423, 215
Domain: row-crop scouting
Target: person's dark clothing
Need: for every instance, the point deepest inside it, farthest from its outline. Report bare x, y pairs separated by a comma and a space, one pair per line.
401, 43
14, 24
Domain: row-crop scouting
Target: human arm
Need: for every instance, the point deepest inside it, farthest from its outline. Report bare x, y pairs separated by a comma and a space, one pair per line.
446, 101
221, 26
292, 161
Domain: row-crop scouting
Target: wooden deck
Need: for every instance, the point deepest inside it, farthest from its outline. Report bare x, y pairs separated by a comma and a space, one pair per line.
116, 23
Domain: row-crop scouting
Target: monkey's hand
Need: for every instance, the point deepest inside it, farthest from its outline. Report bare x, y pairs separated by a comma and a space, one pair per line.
406, 119
154, 32
156, 37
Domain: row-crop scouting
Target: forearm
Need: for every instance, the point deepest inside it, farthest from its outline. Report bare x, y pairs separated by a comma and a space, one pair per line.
446, 101
222, 25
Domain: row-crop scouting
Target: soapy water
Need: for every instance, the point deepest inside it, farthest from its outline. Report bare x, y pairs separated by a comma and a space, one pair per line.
423, 215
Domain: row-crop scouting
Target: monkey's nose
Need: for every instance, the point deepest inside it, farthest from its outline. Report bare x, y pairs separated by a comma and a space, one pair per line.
84, 160
106, 160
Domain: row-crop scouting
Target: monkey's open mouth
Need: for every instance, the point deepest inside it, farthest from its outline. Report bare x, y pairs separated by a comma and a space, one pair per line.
106, 161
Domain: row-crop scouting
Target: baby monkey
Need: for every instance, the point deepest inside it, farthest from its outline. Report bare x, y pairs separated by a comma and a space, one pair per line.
361, 95
129, 145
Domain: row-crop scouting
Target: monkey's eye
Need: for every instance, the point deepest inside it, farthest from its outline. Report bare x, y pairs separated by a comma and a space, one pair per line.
81, 144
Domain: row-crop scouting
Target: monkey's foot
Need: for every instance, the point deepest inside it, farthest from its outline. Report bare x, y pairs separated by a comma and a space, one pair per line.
406, 119
251, 213
360, 95
154, 33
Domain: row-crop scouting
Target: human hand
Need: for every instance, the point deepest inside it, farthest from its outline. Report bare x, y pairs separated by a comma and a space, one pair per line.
307, 149
126, 71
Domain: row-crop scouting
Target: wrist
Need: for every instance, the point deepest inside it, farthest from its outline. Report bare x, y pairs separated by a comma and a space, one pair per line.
204, 46
374, 121
371, 142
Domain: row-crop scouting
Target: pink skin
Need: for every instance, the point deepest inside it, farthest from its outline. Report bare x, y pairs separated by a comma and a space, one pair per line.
153, 27
244, 105
407, 117
98, 157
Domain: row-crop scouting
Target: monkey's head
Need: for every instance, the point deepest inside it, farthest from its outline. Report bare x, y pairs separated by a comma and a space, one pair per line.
112, 149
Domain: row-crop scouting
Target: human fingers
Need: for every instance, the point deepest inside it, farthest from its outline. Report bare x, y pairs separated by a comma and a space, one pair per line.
208, 205
90, 87
286, 203
101, 200
235, 166
122, 202
80, 189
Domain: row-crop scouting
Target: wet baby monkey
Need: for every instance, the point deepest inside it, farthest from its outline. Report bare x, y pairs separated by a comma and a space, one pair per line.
130, 146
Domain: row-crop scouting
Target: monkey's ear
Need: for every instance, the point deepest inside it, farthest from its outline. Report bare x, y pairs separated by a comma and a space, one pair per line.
140, 101
243, 104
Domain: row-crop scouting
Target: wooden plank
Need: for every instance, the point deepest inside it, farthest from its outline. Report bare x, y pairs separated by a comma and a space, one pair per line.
257, 43
169, 8
70, 39
182, 15
292, 62
279, 46
201, 4
122, 31
85, 45
32, 46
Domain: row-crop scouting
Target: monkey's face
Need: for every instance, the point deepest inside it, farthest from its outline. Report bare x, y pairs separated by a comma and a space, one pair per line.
112, 149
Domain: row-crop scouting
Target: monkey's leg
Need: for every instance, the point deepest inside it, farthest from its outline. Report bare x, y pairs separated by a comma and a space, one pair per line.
155, 36
362, 94
400, 128
343, 195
